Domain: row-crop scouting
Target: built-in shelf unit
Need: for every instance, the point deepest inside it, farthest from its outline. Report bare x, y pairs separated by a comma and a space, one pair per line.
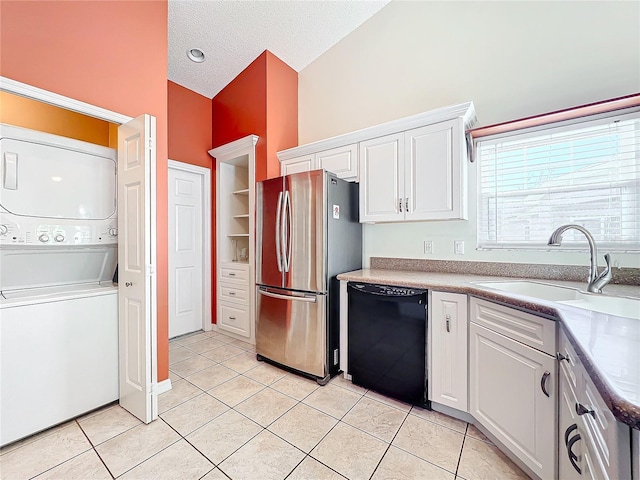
235, 237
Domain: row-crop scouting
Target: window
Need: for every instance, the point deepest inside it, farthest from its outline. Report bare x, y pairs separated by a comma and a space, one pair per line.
587, 173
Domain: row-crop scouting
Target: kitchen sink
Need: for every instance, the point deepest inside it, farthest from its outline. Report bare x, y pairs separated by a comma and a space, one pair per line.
618, 306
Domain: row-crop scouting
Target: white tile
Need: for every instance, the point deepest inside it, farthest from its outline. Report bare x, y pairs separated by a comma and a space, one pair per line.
107, 424
210, 377
178, 461
236, 390
482, 460
311, 469
431, 442
223, 353
472, 431
295, 386
340, 381
265, 373
224, 435
350, 452
205, 345
334, 401
375, 418
191, 365
127, 450
180, 392
400, 465
216, 474
265, 456
25, 441
405, 407
179, 353
48, 451
303, 426
265, 406
191, 338
440, 419
85, 466
192, 414
241, 362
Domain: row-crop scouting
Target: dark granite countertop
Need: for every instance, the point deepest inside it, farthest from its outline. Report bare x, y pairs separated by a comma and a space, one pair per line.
608, 346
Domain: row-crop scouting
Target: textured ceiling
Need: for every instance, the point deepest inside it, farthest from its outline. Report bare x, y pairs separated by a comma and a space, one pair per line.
233, 33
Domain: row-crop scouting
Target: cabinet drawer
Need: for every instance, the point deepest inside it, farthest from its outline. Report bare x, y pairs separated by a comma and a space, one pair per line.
534, 331
234, 318
234, 273
234, 293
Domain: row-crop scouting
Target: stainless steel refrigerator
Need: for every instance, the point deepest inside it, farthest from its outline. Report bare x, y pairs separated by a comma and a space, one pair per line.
307, 233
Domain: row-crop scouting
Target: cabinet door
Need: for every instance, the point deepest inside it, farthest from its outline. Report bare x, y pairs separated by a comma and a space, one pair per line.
234, 318
448, 370
343, 161
506, 396
569, 425
382, 179
435, 172
305, 163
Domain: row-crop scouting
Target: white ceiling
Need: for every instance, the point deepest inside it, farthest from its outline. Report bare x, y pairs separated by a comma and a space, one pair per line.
234, 33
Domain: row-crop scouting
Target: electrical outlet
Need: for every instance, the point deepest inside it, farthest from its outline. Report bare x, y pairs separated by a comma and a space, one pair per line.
458, 247
428, 246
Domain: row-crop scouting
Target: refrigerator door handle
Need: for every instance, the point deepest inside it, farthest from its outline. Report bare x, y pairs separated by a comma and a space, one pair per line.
303, 298
289, 230
278, 240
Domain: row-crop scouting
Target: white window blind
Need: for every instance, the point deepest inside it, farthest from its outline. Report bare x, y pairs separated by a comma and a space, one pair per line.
586, 173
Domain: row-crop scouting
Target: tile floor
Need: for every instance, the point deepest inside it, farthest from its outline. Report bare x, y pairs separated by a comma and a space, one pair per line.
230, 416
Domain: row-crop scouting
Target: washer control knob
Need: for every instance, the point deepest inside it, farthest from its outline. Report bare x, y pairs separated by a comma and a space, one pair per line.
4, 229
113, 232
59, 238
44, 238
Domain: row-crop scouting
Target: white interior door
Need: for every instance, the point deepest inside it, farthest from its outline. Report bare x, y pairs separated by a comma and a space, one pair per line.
136, 271
185, 252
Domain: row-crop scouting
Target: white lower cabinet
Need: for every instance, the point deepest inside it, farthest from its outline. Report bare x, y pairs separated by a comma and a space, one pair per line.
592, 444
448, 376
513, 393
234, 300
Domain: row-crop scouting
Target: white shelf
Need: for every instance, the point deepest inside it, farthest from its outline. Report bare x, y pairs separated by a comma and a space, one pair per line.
242, 192
244, 215
237, 235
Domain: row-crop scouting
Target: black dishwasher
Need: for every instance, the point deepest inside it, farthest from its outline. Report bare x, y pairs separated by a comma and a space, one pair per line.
387, 340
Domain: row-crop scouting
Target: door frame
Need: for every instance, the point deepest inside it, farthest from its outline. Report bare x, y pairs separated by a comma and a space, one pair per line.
45, 96
205, 175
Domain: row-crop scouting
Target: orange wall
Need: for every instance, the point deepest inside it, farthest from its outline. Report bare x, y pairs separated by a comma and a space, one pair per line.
189, 142
282, 111
240, 109
28, 113
262, 100
112, 54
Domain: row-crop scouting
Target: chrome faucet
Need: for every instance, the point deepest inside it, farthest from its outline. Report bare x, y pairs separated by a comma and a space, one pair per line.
597, 281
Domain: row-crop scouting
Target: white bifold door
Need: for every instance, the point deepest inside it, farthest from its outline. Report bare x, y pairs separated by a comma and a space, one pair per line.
136, 267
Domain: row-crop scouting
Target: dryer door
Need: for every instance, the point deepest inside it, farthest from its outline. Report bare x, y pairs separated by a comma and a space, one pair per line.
47, 176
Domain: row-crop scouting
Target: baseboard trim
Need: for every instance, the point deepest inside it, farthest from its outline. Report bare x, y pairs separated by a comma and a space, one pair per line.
163, 386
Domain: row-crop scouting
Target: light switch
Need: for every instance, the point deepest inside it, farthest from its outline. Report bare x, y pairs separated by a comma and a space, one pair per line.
428, 246
458, 247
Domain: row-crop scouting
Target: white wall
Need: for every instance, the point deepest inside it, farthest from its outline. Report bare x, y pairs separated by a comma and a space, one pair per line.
512, 59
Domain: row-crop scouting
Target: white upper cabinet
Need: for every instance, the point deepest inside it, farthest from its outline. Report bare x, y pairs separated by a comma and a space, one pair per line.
343, 161
382, 178
411, 169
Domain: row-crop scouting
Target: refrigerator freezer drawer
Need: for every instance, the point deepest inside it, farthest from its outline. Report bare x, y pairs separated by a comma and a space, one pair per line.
292, 329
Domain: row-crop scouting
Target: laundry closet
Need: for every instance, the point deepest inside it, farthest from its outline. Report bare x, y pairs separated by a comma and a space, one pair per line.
58, 301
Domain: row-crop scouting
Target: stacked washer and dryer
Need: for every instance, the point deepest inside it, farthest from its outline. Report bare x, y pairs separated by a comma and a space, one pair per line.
58, 301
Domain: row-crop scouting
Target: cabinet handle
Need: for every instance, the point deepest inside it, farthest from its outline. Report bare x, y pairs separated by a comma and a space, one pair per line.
568, 432
406, 204
448, 323
232, 318
543, 383
581, 410
231, 274
128, 284
562, 357
400, 205
572, 456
